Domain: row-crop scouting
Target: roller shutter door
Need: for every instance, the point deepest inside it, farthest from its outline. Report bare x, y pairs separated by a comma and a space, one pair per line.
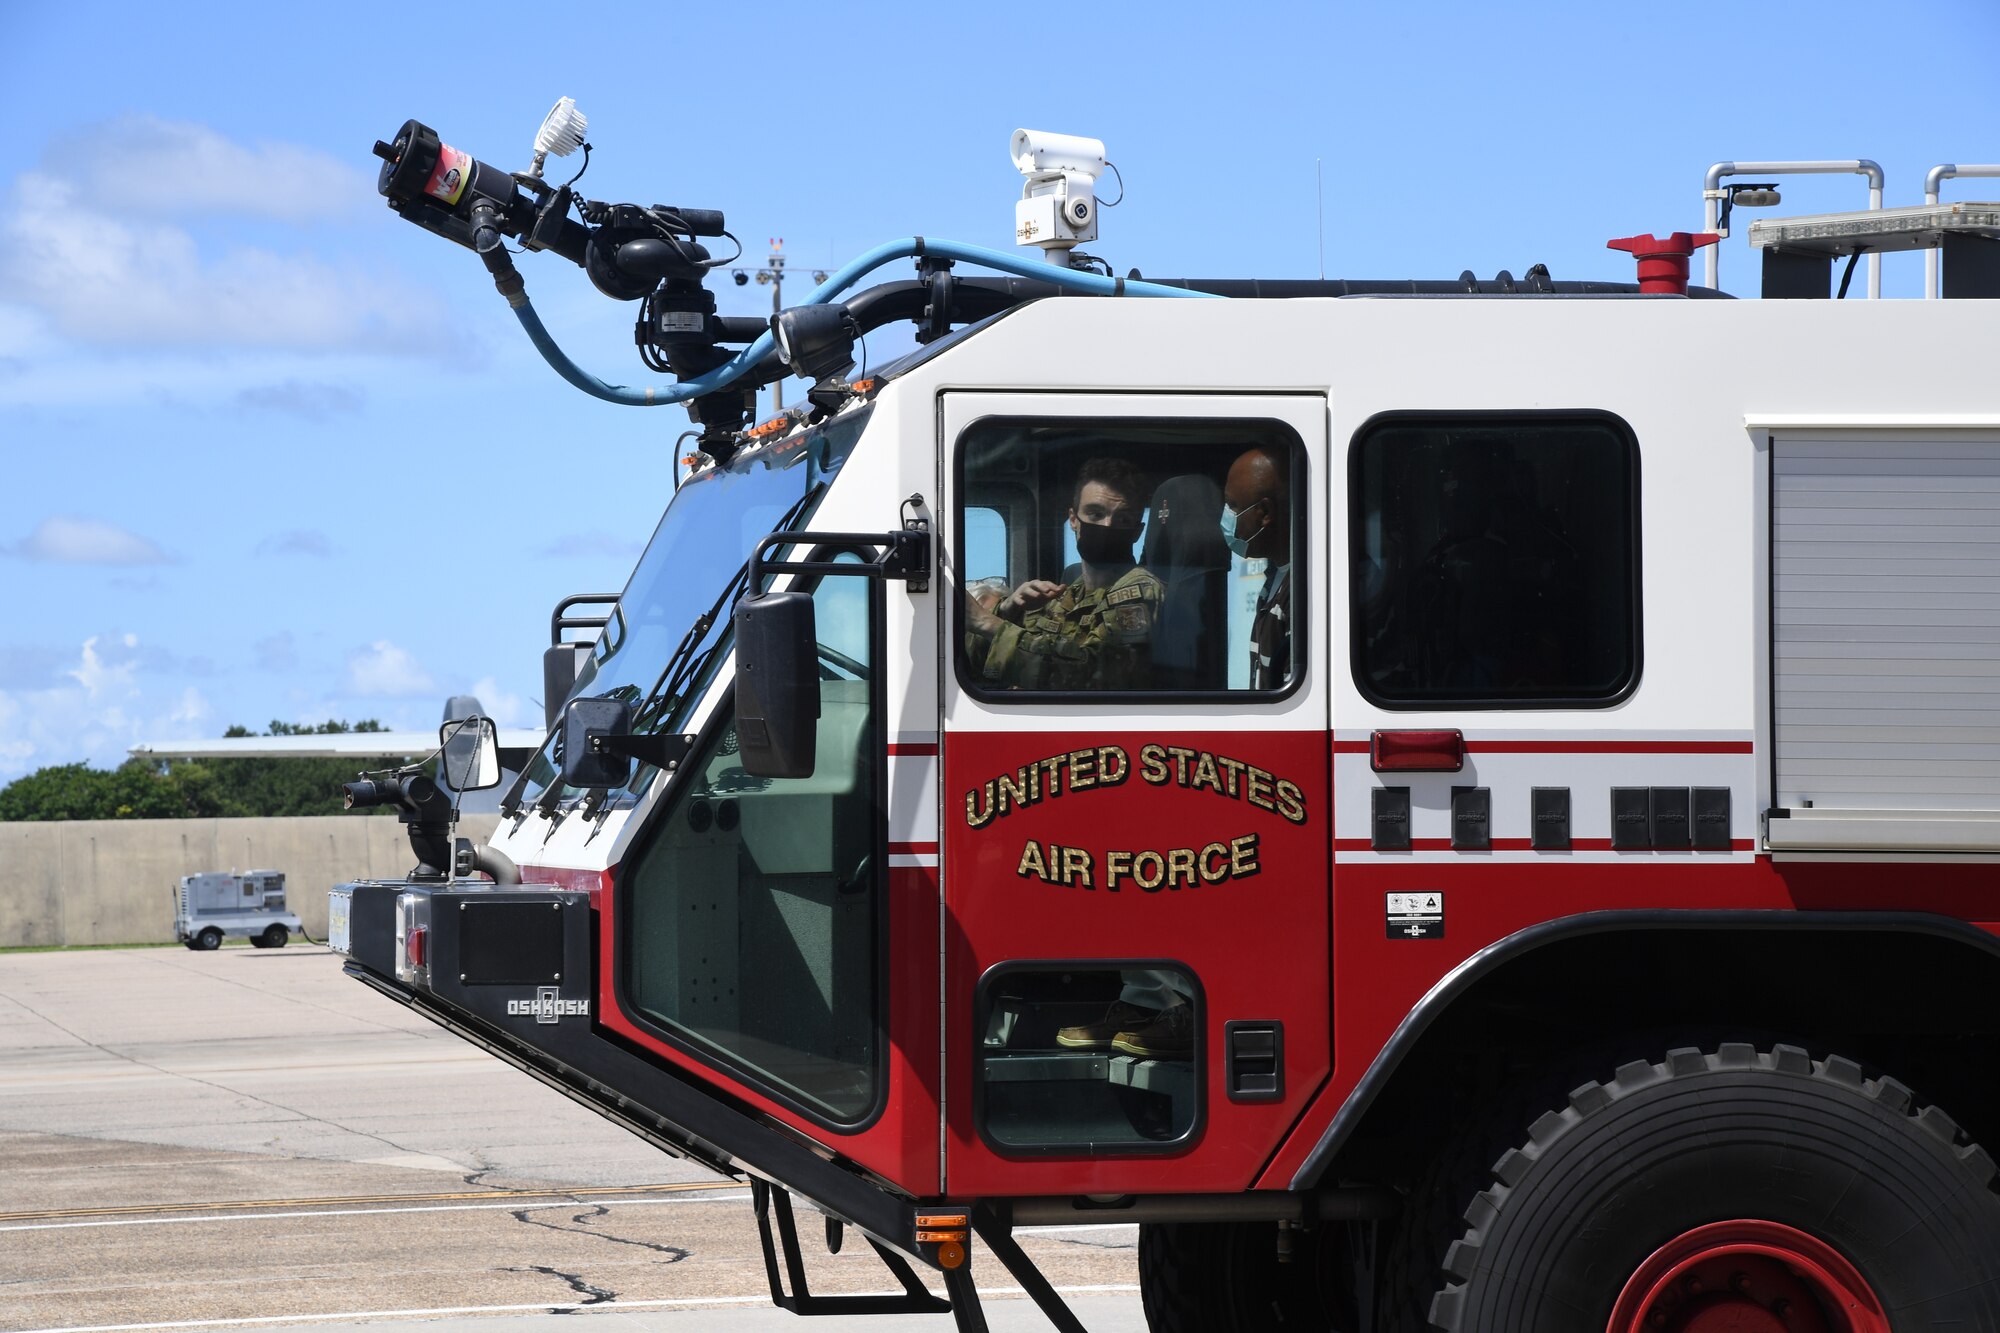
1886, 622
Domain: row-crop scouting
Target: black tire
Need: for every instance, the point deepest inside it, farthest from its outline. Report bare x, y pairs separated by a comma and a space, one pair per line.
1224, 1277
274, 937
1557, 1225
210, 938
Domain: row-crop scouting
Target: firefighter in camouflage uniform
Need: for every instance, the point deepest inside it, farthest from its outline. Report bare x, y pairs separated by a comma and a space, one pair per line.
1093, 634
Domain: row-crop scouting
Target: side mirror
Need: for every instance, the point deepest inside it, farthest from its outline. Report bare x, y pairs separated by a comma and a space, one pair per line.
561, 664
777, 685
471, 754
592, 765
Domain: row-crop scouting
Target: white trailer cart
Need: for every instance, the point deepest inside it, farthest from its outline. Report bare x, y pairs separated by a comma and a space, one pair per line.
215, 904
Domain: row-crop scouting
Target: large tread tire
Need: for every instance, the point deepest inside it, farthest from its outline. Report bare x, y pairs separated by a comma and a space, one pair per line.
209, 939
1224, 1277
1558, 1222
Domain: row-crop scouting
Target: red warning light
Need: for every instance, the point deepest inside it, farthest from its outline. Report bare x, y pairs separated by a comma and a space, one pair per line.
1417, 751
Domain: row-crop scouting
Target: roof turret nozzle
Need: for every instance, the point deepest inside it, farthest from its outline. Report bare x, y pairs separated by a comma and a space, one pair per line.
1057, 209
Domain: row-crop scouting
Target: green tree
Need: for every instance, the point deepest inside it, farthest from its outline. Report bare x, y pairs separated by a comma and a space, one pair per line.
290, 786
141, 789
133, 790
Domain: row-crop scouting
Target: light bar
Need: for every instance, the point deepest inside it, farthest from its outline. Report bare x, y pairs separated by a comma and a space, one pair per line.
1922, 227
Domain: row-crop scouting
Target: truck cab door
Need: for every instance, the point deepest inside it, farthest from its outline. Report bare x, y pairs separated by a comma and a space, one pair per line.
1135, 808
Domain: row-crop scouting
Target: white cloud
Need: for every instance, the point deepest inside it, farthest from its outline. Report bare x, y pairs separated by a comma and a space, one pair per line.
16, 750
505, 708
382, 670
313, 401
162, 167
89, 245
99, 678
299, 541
66, 539
100, 279
100, 713
189, 712
21, 330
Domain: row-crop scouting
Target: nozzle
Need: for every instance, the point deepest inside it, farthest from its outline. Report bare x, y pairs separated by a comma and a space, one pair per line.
363, 793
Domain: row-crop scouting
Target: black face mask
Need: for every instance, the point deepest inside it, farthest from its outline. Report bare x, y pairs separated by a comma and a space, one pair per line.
1101, 544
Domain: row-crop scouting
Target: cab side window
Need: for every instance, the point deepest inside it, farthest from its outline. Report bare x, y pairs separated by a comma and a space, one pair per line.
1494, 560
1117, 556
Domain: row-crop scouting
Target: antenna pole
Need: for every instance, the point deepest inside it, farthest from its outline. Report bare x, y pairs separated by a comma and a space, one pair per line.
1319, 182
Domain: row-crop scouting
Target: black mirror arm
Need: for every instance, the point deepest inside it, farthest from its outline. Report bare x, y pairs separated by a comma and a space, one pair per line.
903, 555
662, 751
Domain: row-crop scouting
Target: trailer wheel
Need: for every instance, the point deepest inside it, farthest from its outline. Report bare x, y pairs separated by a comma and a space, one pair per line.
1224, 1277
210, 938
1733, 1189
274, 937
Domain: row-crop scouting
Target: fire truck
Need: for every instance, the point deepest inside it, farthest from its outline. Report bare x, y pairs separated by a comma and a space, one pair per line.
1463, 804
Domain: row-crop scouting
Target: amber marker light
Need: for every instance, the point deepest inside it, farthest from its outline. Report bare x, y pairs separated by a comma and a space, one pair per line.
947, 1231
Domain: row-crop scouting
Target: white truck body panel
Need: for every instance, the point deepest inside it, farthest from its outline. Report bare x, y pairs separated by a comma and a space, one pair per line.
1705, 386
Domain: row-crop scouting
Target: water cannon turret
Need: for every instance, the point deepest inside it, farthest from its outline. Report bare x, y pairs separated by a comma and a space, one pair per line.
422, 806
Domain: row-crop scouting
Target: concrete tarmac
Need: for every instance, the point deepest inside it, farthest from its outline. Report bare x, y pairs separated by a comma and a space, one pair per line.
248, 1138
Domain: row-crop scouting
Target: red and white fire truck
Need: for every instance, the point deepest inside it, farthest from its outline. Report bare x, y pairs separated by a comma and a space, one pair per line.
1495, 830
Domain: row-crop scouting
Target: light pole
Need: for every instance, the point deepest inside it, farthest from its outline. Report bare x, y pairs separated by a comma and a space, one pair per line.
772, 274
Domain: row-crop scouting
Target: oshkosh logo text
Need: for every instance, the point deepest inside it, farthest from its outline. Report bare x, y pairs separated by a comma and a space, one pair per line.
547, 1006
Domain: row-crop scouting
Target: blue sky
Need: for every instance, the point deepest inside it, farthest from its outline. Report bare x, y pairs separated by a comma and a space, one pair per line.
271, 452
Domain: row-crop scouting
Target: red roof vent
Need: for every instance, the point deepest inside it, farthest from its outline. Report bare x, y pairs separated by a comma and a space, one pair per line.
1663, 260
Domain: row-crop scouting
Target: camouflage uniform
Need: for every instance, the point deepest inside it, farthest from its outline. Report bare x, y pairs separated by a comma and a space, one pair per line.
1082, 639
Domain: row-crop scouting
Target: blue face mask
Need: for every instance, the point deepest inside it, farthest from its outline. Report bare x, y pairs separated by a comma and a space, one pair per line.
1238, 546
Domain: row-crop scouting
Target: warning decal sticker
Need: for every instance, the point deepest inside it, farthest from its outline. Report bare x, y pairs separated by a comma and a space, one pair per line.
1416, 916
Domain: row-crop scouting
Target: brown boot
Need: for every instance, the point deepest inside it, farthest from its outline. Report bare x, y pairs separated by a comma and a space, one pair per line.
1098, 1036
1169, 1036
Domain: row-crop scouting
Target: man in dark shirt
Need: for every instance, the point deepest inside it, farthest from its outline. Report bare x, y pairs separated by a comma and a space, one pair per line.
1257, 524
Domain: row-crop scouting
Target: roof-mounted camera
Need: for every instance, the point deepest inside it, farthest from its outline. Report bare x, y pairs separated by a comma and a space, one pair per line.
1057, 209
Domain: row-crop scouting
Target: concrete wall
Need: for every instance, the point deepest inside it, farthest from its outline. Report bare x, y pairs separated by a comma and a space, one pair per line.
111, 881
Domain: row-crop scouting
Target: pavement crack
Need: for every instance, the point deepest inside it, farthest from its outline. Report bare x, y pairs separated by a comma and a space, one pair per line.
244, 1101
476, 1179
208, 975
593, 1295
581, 1227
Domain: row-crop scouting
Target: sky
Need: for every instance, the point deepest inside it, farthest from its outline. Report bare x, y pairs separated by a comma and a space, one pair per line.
271, 452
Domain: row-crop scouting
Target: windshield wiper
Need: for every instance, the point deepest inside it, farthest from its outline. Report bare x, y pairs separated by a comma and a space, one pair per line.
664, 700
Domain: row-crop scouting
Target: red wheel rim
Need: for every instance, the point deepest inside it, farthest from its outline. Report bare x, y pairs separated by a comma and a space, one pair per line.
1747, 1277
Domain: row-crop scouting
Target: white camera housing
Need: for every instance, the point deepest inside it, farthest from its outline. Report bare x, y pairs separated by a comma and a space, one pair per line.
1058, 206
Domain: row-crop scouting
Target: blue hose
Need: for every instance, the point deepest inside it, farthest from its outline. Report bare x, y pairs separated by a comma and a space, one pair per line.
1090, 284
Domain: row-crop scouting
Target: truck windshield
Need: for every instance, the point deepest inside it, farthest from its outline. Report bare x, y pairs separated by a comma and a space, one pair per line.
702, 542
